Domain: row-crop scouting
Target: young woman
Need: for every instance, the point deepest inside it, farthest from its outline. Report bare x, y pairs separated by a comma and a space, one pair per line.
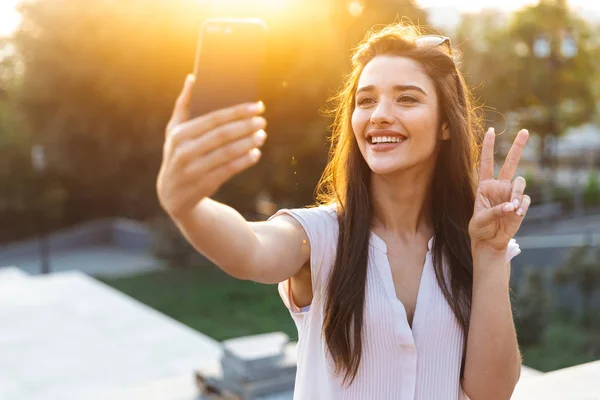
398, 279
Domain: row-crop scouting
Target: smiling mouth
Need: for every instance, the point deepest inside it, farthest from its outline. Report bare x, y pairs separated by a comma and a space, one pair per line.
386, 139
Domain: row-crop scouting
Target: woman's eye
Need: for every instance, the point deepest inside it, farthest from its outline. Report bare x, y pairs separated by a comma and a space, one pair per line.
365, 101
407, 99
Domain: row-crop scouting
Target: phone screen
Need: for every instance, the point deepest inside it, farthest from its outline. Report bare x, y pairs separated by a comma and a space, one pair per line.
229, 66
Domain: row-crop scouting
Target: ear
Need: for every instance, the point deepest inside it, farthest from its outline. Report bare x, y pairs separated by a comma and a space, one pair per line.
445, 132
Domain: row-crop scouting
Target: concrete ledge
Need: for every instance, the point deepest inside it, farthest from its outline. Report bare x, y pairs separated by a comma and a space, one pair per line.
121, 232
574, 383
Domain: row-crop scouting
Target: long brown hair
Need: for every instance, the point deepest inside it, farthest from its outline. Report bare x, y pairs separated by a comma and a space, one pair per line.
346, 181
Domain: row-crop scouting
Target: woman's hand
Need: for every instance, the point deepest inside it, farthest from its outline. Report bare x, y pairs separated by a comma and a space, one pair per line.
500, 204
200, 155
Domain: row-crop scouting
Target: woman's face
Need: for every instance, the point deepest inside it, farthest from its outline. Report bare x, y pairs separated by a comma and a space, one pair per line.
395, 119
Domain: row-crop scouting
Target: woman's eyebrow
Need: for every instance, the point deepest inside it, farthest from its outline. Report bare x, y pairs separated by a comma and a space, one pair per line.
397, 88
405, 88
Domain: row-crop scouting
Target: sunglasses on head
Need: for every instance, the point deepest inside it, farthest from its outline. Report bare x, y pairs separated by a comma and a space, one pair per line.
434, 41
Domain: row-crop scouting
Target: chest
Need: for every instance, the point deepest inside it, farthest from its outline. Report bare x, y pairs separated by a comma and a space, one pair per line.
406, 270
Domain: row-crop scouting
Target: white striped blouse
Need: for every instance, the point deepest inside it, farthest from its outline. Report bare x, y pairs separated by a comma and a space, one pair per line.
398, 363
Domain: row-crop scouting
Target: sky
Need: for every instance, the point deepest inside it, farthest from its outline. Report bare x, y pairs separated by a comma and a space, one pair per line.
9, 18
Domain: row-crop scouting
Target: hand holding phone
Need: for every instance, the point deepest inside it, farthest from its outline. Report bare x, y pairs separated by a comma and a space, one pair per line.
216, 129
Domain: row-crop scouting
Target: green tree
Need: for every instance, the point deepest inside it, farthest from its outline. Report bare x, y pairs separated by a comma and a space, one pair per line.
16, 173
98, 82
544, 94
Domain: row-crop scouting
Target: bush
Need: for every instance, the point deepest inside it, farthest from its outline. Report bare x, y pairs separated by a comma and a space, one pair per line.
563, 344
592, 189
564, 196
531, 180
532, 305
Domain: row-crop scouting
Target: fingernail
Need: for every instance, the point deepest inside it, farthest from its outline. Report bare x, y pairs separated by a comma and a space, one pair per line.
491, 130
257, 107
260, 136
190, 79
520, 212
255, 154
509, 207
515, 203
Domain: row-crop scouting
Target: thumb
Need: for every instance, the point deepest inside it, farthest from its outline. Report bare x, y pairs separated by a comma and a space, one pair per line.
181, 111
489, 215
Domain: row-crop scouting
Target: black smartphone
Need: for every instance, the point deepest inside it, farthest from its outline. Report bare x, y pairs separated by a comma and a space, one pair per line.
229, 65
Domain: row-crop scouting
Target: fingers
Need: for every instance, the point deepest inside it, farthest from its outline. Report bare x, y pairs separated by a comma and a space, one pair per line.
514, 156
507, 209
220, 137
486, 170
181, 111
522, 210
216, 119
489, 215
518, 189
227, 154
227, 171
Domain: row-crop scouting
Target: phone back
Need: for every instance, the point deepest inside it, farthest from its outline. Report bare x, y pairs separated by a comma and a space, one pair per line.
230, 60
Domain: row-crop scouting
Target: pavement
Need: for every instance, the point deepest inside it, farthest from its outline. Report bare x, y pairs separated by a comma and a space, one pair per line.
68, 336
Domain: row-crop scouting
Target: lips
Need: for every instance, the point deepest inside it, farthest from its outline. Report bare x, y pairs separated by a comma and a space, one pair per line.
384, 133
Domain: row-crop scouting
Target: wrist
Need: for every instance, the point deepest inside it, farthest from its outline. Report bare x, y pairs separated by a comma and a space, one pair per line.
490, 264
485, 252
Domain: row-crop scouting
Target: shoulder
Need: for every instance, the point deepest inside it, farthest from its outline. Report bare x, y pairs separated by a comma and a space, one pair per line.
315, 216
320, 226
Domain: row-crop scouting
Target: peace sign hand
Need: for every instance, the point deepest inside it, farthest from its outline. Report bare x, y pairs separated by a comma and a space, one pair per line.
500, 204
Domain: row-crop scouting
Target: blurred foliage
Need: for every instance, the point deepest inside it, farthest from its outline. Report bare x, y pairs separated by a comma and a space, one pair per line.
550, 336
97, 81
583, 269
544, 95
91, 75
532, 305
592, 189
563, 344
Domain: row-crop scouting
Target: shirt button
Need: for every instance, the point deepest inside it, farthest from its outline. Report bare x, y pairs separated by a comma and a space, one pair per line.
407, 347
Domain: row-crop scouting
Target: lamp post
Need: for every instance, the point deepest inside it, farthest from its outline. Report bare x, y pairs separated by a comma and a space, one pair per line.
556, 54
38, 161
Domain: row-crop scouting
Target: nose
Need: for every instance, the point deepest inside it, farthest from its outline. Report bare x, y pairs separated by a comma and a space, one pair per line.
383, 114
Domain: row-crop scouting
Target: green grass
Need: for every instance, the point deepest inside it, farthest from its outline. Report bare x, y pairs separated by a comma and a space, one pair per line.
210, 301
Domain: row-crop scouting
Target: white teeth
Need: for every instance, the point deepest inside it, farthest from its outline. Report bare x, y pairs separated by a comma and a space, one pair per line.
386, 139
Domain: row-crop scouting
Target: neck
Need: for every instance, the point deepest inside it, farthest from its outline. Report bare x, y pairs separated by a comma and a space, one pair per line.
401, 204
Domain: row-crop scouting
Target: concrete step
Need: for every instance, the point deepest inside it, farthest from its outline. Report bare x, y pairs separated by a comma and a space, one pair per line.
66, 336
